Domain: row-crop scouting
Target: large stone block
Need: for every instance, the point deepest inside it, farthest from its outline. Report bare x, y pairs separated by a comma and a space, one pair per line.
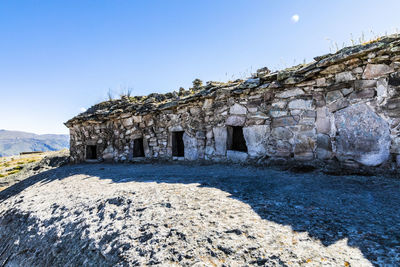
344, 76
236, 156
300, 104
324, 146
304, 147
281, 133
127, 122
333, 96
285, 121
376, 70
290, 93
237, 109
362, 135
256, 137
323, 122
220, 140
190, 143
109, 153
235, 120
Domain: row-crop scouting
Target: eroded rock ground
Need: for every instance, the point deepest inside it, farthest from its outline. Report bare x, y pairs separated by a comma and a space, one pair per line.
169, 214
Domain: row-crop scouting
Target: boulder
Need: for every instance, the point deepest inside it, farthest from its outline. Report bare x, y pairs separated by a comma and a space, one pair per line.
362, 135
256, 137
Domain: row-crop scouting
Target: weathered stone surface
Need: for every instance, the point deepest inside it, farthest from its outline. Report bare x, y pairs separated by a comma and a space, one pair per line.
277, 113
281, 148
381, 90
334, 69
338, 104
220, 138
137, 119
346, 91
333, 96
190, 143
285, 121
281, 133
237, 109
256, 139
290, 93
251, 83
344, 76
324, 147
323, 122
363, 84
303, 149
108, 153
236, 156
208, 103
363, 94
363, 136
127, 122
235, 120
376, 70
300, 104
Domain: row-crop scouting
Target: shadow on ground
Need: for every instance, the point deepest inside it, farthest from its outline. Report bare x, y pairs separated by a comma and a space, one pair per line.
365, 210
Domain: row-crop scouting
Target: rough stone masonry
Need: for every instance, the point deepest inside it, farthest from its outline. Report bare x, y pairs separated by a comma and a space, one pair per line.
341, 110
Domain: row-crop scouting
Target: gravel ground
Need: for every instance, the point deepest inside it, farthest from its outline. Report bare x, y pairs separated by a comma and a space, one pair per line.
214, 215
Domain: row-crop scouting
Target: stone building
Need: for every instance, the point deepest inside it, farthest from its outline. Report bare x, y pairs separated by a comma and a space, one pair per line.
342, 109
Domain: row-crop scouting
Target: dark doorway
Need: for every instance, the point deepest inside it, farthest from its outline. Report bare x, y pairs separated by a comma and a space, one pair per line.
178, 148
91, 152
138, 149
236, 139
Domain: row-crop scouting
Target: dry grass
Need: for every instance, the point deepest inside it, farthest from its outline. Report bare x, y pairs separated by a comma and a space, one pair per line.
14, 164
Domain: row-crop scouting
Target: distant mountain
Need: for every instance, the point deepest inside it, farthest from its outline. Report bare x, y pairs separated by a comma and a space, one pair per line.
14, 142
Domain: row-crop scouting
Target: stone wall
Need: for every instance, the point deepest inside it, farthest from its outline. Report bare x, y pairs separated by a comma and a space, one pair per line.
341, 110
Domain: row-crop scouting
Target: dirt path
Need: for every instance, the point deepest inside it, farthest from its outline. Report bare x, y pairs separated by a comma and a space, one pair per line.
168, 214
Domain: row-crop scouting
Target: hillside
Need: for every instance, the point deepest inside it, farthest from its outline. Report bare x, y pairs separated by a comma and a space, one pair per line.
14, 142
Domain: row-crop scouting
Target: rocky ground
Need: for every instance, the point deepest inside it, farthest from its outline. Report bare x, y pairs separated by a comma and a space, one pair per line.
212, 215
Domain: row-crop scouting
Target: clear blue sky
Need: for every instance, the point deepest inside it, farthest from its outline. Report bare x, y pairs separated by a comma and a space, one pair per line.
57, 57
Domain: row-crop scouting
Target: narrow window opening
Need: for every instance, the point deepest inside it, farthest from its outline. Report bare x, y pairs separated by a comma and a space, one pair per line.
236, 139
178, 148
138, 149
91, 152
